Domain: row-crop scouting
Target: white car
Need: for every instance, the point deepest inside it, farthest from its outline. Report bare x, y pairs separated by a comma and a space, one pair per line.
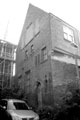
18, 109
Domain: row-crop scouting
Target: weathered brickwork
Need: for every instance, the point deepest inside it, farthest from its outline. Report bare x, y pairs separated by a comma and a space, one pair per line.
42, 80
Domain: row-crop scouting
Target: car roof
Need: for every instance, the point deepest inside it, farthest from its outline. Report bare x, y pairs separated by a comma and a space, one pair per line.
13, 100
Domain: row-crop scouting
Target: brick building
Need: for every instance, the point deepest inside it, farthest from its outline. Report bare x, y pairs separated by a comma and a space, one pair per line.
48, 56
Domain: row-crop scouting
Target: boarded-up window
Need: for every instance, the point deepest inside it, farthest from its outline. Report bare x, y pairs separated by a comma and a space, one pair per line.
29, 34
36, 27
37, 59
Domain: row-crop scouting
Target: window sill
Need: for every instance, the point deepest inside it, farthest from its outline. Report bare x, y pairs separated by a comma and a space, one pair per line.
44, 61
72, 43
67, 40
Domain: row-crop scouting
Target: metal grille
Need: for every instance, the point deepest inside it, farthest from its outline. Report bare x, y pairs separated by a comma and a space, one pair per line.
24, 118
31, 118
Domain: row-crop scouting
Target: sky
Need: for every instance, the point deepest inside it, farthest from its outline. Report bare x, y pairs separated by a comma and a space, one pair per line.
13, 13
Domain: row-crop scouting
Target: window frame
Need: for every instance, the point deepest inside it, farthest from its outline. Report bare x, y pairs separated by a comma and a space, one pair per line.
26, 54
44, 55
69, 33
32, 49
37, 59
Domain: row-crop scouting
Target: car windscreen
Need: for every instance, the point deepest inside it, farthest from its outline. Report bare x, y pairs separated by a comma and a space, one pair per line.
20, 106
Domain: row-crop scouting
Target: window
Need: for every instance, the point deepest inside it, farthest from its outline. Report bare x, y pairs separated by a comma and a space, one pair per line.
8, 50
26, 54
44, 54
68, 34
37, 59
32, 48
27, 75
20, 106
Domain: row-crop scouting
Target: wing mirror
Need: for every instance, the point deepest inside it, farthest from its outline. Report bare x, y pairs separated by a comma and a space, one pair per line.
4, 107
30, 108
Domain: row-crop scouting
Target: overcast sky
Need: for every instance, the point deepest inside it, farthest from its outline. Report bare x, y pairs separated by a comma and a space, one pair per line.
13, 12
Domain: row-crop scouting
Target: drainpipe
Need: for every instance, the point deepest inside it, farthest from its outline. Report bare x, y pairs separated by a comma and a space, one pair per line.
76, 57
77, 71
